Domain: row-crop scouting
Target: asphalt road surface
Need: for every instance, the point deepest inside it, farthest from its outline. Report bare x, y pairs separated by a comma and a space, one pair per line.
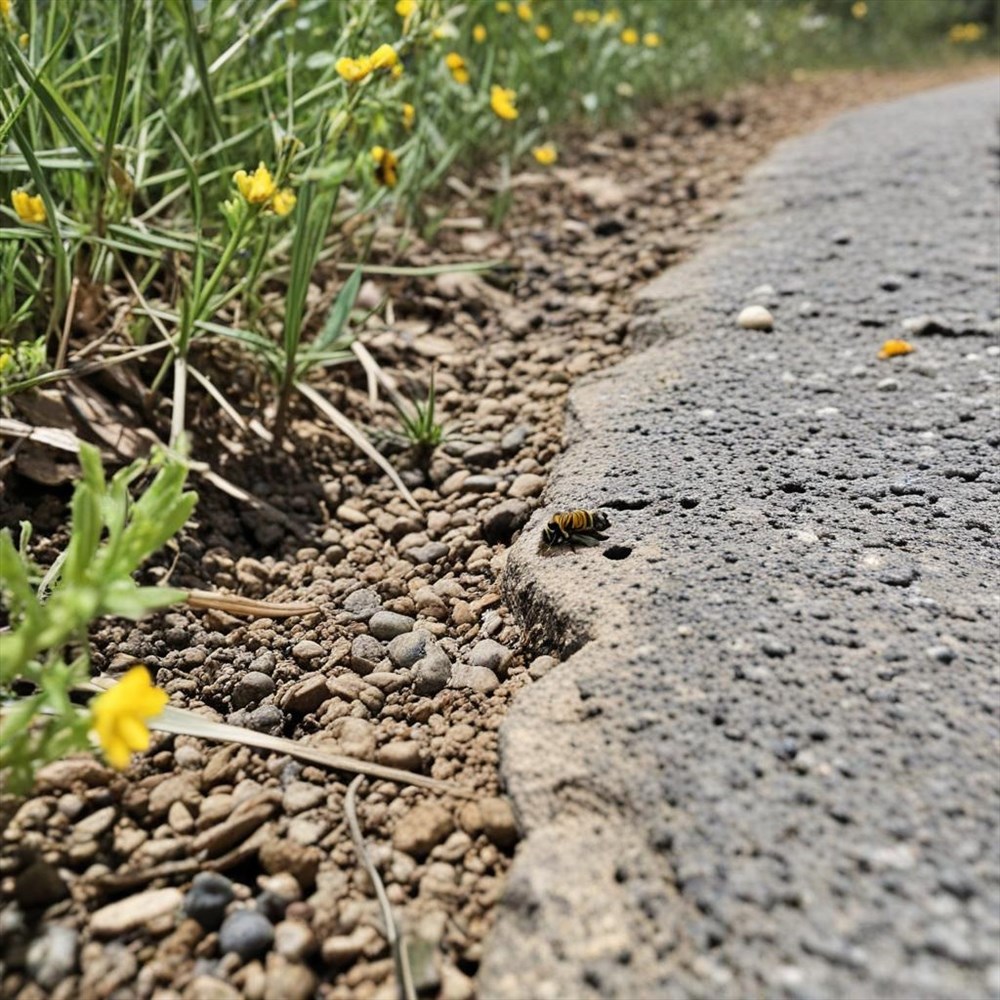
770, 767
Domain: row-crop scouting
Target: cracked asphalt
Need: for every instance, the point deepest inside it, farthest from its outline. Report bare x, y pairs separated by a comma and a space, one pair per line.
769, 766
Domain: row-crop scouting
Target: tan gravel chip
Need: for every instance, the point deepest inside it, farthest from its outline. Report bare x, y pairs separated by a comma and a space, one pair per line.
134, 911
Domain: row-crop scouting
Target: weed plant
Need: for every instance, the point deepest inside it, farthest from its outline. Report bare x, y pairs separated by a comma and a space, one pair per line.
50, 614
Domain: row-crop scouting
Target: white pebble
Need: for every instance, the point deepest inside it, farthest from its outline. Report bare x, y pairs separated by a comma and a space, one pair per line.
755, 318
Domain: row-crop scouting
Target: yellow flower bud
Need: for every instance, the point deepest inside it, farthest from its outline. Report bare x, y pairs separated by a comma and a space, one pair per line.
503, 102
384, 57
29, 208
546, 154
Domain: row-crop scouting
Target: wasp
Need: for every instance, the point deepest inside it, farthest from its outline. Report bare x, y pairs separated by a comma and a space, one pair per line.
572, 526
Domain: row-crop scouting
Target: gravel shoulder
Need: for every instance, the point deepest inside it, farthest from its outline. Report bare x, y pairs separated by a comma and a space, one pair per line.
769, 765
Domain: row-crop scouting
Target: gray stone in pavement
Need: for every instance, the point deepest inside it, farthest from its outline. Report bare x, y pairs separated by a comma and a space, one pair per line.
770, 766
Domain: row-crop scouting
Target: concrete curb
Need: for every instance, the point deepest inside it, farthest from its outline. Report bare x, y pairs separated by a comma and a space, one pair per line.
769, 766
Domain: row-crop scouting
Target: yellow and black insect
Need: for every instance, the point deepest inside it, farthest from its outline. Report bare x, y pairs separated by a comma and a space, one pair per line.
571, 526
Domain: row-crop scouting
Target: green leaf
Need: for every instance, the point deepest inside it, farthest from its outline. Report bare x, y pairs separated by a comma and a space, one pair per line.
339, 313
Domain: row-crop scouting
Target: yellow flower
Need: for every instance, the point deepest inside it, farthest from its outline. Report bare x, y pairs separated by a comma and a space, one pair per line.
283, 201
613, 16
502, 101
384, 57
257, 188
592, 16
965, 33
543, 32
409, 115
479, 34
524, 11
29, 208
405, 8
503, 7
23, 39
6, 360
630, 36
546, 155
120, 713
5, 6
893, 348
353, 70
459, 71
651, 40
859, 10
397, 71
386, 165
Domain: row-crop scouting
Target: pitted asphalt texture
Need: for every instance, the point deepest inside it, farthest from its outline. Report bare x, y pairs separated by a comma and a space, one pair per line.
770, 765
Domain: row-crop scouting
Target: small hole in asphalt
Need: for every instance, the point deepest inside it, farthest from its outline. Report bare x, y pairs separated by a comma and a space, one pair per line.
689, 502
617, 552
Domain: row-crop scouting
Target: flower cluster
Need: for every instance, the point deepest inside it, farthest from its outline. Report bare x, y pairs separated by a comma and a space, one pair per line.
967, 34
457, 65
258, 188
356, 70
503, 101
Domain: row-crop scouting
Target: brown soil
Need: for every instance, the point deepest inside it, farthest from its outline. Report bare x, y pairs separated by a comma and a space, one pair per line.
619, 208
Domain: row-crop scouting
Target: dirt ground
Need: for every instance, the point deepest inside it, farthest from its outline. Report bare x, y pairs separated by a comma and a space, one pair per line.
413, 658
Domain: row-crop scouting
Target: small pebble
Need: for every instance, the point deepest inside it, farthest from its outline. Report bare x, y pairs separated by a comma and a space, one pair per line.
409, 647
491, 654
404, 754
527, 485
246, 932
134, 911
422, 828
540, 666
253, 687
387, 624
362, 604
307, 650
432, 672
432, 552
469, 677
207, 899
366, 653
942, 653
51, 956
499, 823
501, 521
294, 940
755, 318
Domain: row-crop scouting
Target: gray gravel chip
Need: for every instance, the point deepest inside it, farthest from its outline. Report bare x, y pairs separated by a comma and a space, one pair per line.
246, 932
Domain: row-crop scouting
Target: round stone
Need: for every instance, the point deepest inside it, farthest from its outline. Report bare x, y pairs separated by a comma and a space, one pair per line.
251, 688
387, 624
247, 933
755, 318
409, 647
207, 899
